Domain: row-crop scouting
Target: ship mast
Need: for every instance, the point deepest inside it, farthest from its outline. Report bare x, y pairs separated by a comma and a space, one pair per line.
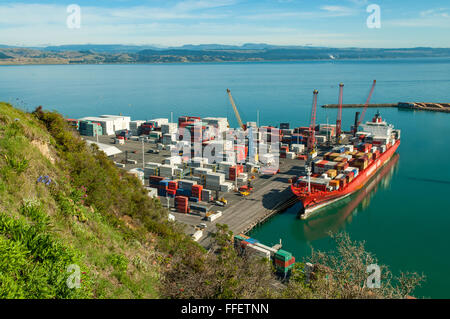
308, 173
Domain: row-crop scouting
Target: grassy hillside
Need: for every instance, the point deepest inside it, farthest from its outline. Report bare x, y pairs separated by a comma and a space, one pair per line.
91, 214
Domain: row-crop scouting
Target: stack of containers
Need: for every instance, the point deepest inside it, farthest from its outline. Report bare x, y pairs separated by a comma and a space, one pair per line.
283, 151
186, 184
197, 191
242, 178
331, 173
241, 153
181, 204
168, 139
225, 167
171, 192
154, 181
316, 183
169, 128
284, 261
342, 180
135, 126
364, 147
173, 160
342, 166
214, 180
226, 187
334, 184
162, 188
212, 167
89, 128
206, 195
173, 185
166, 171
151, 169
238, 239
234, 171
200, 208
201, 171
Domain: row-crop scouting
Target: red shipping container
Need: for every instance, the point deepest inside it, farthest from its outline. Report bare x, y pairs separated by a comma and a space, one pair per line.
197, 191
156, 179
285, 264
235, 171
173, 185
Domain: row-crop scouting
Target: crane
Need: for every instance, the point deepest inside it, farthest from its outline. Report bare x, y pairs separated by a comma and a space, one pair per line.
238, 117
312, 126
365, 108
339, 116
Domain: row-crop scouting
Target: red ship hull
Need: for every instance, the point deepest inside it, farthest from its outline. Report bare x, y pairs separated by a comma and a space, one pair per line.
319, 199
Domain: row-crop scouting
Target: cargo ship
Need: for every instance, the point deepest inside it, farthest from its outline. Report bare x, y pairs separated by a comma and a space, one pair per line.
346, 169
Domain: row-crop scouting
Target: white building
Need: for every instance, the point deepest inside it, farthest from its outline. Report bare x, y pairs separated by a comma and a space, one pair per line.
108, 149
120, 122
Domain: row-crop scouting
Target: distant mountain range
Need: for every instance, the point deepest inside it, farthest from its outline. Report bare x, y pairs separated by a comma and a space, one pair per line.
115, 53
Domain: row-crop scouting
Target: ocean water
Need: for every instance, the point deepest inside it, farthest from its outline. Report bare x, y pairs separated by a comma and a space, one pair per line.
404, 217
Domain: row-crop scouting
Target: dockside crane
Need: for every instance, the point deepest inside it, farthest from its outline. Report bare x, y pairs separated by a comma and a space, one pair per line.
238, 117
312, 126
359, 121
339, 116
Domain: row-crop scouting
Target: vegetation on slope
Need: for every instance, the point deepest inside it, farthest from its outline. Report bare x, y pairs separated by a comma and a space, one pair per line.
91, 214
64, 203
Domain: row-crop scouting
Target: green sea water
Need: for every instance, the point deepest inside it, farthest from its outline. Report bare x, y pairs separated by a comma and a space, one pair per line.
403, 217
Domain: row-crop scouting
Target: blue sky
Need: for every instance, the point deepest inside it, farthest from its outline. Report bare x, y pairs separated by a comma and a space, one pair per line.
404, 23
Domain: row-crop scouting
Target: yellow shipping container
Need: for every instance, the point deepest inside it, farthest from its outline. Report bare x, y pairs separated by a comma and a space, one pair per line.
334, 183
331, 173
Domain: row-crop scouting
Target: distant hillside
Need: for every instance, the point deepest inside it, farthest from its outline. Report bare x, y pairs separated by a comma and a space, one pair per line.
98, 54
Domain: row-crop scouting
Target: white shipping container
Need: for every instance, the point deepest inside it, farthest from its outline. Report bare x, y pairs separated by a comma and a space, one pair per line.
202, 171
120, 122
169, 128
166, 171
173, 160
290, 155
134, 126
215, 177
226, 187
298, 148
213, 217
159, 122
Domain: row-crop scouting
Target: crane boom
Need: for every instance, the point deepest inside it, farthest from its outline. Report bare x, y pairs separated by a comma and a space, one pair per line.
238, 117
366, 105
339, 116
312, 127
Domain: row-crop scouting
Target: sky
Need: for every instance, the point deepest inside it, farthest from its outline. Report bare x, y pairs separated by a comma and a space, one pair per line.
403, 23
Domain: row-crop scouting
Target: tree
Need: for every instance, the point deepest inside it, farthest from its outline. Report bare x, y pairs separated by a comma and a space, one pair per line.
220, 273
343, 274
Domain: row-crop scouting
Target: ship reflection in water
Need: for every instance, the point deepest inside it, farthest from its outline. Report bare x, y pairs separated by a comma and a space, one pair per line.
333, 217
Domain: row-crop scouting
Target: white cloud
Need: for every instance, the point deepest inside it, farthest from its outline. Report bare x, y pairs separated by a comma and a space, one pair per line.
339, 10
440, 13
